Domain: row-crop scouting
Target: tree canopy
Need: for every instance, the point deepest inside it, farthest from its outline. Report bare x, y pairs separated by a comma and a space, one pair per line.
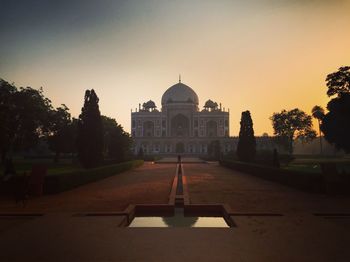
291, 125
318, 113
336, 123
338, 83
24, 117
117, 142
246, 148
62, 131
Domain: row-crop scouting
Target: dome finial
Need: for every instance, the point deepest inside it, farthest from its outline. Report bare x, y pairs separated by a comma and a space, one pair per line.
179, 78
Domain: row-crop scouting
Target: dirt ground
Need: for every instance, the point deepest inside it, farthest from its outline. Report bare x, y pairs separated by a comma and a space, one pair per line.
211, 183
148, 184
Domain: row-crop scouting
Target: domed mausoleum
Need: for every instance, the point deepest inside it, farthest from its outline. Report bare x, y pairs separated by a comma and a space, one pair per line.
179, 126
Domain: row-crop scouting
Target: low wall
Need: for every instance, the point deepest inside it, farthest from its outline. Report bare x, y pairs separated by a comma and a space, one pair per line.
302, 180
66, 181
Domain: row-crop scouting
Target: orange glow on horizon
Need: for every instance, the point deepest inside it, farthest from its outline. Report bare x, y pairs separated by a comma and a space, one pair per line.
257, 56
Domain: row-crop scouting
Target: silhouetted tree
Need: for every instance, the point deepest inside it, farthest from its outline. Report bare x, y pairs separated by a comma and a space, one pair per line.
6, 112
90, 132
291, 125
117, 142
336, 123
318, 113
338, 83
246, 148
63, 132
24, 117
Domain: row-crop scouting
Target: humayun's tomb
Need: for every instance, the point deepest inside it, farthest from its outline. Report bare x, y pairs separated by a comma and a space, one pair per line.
180, 127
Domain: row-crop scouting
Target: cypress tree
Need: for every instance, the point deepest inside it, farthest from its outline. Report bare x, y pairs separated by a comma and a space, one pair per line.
246, 147
90, 132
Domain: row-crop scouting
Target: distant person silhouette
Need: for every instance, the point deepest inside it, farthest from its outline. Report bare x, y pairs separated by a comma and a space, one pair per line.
179, 158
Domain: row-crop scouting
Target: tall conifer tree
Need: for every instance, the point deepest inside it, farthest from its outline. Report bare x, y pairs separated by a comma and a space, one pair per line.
90, 132
246, 148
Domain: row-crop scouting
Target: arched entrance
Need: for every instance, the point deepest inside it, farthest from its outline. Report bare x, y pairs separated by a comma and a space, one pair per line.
212, 128
148, 129
180, 148
180, 126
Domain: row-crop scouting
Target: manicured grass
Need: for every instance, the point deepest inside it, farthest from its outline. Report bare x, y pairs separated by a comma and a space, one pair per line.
304, 168
69, 180
63, 166
65, 175
311, 164
299, 179
304, 174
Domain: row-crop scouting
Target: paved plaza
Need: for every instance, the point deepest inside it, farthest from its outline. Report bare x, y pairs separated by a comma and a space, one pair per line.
274, 222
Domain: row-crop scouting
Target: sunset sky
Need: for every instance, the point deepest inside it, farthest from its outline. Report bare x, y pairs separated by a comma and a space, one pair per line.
257, 55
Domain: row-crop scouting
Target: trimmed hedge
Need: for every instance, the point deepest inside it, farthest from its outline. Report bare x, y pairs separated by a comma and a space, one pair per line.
302, 180
58, 183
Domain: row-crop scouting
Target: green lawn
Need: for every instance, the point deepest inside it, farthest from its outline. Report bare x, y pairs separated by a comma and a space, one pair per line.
312, 164
304, 168
63, 166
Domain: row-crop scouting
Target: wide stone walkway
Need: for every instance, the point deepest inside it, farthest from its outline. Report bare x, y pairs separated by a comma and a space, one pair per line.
296, 235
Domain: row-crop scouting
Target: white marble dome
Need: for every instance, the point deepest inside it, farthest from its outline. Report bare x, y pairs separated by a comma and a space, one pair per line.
179, 93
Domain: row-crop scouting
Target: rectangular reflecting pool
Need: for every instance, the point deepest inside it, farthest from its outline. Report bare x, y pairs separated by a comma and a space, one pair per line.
179, 220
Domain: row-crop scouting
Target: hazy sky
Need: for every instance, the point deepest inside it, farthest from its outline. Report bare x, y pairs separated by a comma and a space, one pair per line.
260, 55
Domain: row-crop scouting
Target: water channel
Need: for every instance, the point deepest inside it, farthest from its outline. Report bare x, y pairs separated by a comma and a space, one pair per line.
179, 220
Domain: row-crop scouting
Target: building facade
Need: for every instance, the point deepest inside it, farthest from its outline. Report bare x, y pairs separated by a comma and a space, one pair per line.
180, 127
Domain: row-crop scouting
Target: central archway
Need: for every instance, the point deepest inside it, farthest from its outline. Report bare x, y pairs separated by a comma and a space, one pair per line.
180, 126
180, 148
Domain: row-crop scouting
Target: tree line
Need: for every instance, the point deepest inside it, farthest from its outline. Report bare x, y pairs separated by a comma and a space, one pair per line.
296, 124
27, 116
